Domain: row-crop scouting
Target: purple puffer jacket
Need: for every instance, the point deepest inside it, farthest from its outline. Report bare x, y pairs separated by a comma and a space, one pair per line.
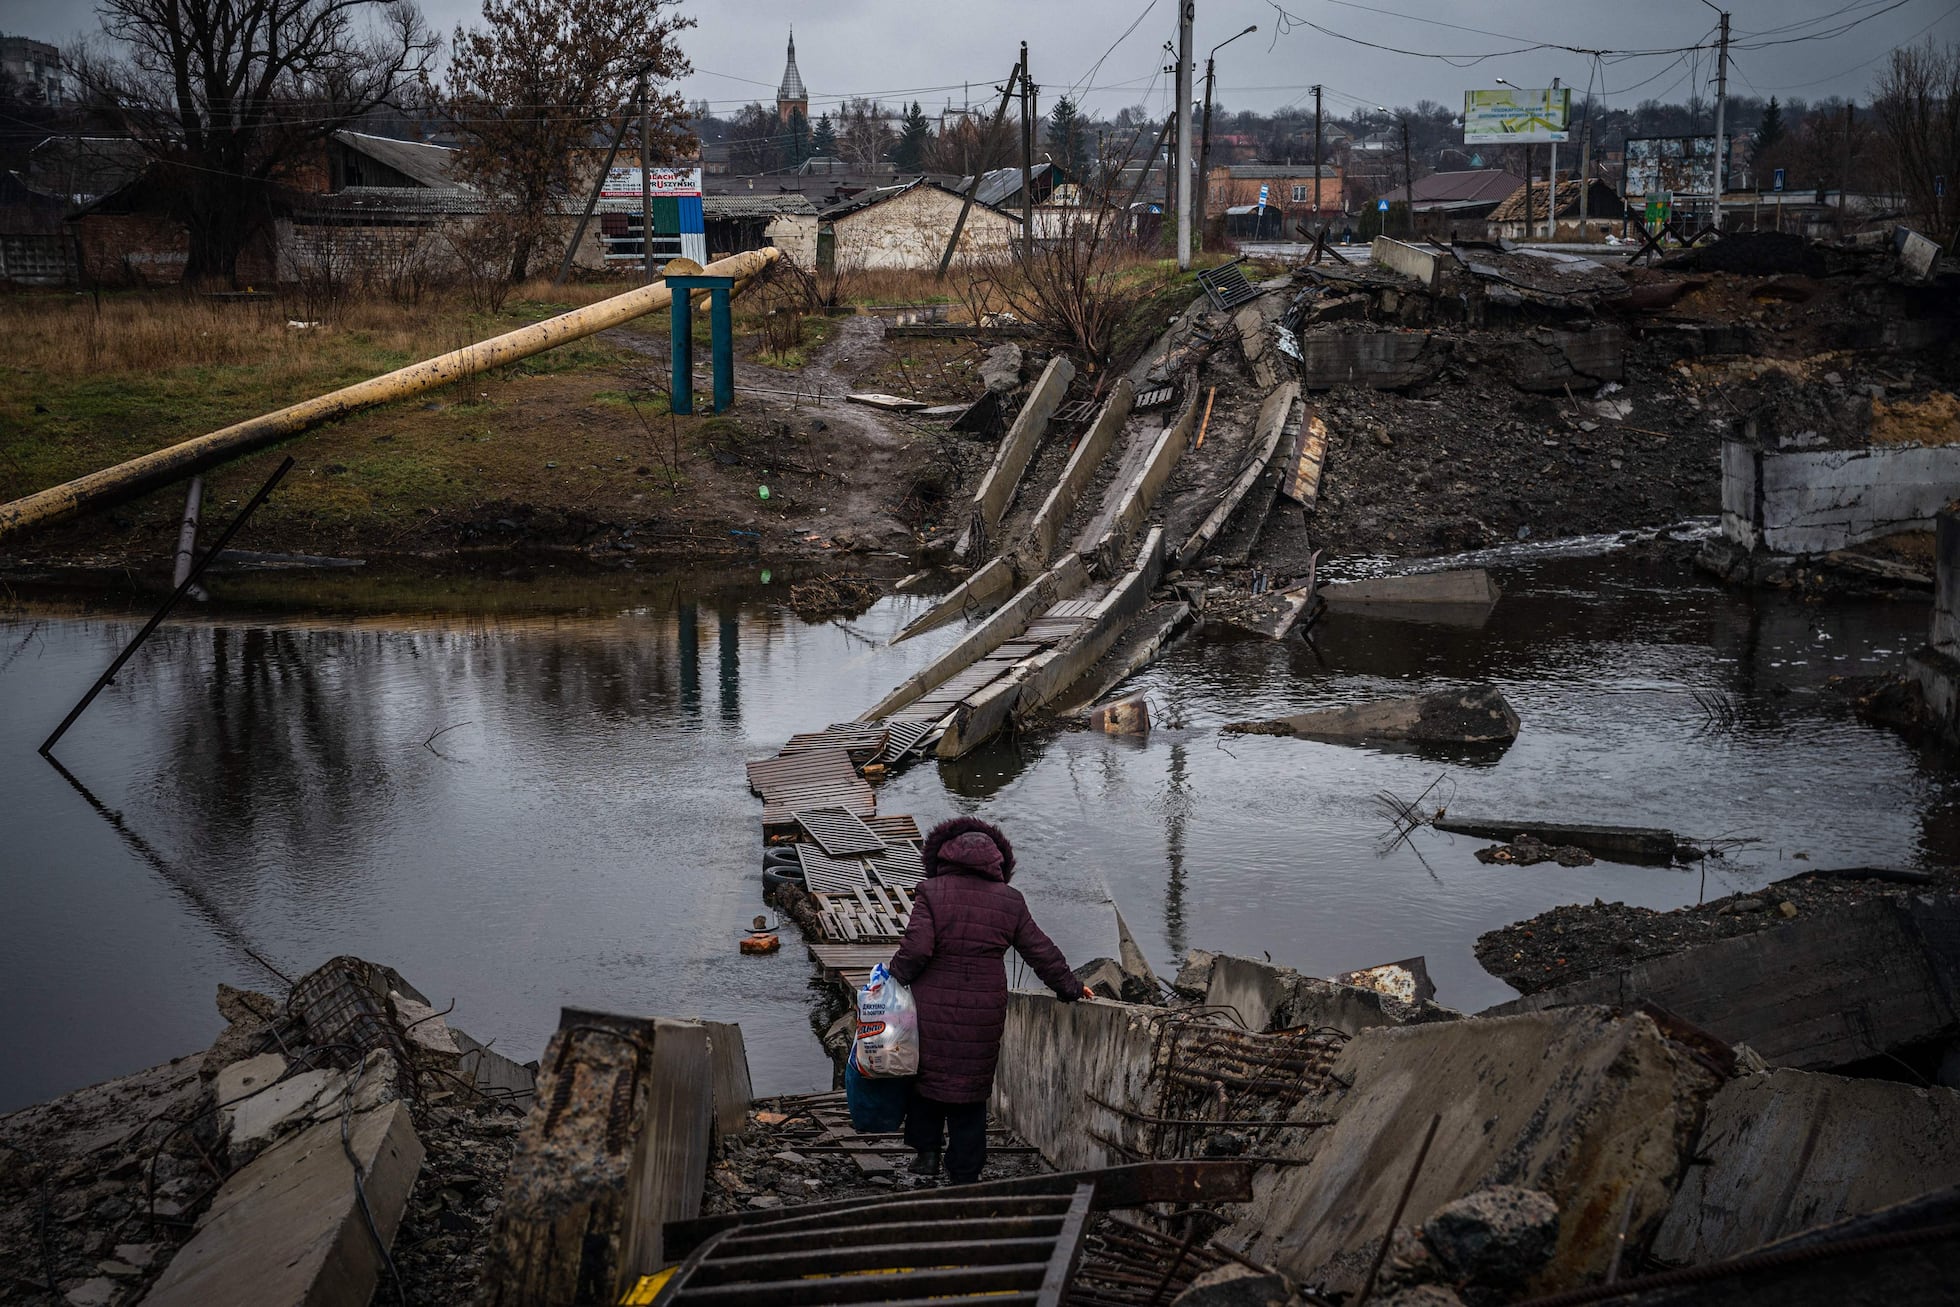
965, 916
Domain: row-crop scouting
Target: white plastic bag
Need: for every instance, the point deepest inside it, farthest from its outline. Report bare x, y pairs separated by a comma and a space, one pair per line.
888, 1027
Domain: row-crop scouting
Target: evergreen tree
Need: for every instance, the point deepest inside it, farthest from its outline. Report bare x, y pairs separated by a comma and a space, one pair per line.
914, 139
1770, 130
799, 137
823, 142
1067, 143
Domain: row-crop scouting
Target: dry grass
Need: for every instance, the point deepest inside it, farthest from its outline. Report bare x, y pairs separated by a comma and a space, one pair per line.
80, 335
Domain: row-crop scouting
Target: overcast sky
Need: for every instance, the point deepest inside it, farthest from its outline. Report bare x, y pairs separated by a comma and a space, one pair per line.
931, 50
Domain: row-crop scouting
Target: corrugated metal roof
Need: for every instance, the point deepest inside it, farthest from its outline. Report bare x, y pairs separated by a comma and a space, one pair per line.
1272, 171
756, 206
432, 165
1486, 184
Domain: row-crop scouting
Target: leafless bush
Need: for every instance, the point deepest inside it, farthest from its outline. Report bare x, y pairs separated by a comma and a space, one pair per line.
482, 252
1073, 285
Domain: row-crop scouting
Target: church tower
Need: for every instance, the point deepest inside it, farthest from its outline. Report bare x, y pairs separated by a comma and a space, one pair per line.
791, 98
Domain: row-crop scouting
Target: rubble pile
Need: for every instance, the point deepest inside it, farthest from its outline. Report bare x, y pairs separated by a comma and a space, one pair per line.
1580, 941
131, 1187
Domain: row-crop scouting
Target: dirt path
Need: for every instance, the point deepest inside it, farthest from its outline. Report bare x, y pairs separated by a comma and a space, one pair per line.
866, 462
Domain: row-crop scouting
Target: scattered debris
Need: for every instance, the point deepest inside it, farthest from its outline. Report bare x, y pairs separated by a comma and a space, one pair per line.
833, 596
1529, 851
1642, 845
1474, 715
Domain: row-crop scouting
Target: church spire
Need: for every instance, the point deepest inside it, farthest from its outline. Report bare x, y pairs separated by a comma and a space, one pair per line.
791, 97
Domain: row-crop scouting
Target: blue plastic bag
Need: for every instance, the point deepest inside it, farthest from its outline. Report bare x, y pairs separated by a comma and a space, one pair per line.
877, 1103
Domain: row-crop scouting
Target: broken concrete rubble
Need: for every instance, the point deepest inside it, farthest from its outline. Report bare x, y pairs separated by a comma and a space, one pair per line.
1597, 1111
1269, 997
1790, 1150
293, 1228
1819, 993
1643, 845
1477, 715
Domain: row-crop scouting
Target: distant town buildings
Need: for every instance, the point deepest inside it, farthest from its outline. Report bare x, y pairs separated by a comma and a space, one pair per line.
34, 67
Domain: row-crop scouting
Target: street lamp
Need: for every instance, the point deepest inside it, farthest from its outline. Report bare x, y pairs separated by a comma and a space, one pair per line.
1204, 142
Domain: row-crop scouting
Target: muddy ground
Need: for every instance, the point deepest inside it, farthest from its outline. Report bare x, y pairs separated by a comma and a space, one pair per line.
1581, 940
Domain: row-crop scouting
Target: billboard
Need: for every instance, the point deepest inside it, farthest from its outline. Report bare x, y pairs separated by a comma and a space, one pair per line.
624, 183
1677, 165
1509, 115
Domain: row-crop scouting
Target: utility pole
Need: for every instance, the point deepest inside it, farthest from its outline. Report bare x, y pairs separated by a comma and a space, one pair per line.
1316, 154
646, 180
1721, 109
1844, 182
1204, 152
1551, 204
966, 204
1187, 13
1204, 143
1027, 160
1585, 173
1527, 192
1408, 183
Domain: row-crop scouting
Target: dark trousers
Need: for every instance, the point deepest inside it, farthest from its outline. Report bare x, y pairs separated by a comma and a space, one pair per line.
958, 1128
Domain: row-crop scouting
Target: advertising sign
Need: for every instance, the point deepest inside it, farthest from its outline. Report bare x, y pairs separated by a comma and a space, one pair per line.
1682, 164
1509, 115
1660, 211
624, 183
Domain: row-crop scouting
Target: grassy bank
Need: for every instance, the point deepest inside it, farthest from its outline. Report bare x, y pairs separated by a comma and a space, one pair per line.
87, 383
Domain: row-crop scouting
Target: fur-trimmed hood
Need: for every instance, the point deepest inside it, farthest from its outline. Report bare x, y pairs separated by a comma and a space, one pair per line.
948, 831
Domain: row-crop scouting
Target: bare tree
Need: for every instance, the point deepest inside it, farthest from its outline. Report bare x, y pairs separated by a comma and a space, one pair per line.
1918, 105
231, 97
756, 140
866, 138
538, 84
972, 144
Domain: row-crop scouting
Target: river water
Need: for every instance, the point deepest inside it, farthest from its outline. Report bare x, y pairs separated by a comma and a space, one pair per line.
529, 793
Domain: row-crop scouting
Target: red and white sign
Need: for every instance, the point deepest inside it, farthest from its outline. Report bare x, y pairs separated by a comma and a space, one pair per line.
624, 183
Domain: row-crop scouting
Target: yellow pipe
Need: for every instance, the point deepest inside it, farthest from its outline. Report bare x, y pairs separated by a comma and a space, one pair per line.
113, 485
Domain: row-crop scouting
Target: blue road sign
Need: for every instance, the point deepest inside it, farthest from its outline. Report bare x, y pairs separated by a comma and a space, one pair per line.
1777, 184
1382, 205
1939, 187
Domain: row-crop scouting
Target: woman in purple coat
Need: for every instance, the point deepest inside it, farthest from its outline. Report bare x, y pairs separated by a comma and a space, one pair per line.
965, 916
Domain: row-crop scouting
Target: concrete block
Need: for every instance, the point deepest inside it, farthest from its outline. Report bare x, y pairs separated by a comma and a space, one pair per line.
1054, 1056
1597, 1111
996, 489
496, 1075
1044, 532
733, 1088
1409, 260
1917, 254
261, 1116
1550, 361
242, 1079
1821, 500
1473, 715
1792, 1149
1946, 582
288, 1228
1821, 992
1379, 360
1468, 586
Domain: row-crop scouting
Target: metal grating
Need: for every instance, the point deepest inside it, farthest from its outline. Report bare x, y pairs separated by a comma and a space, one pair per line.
1155, 397
838, 832
862, 740
900, 867
822, 778
895, 829
1076, 411
1226, 286
902, 736
827, 875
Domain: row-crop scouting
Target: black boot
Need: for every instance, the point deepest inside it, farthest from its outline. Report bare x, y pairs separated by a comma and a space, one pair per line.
926, 1163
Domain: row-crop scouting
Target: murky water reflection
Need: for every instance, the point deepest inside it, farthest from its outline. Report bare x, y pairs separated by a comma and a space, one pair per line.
523, 806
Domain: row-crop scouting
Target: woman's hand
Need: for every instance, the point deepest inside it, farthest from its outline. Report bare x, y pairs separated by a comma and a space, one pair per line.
1089, 993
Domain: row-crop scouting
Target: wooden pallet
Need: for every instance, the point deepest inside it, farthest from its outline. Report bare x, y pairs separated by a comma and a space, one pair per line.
870, 914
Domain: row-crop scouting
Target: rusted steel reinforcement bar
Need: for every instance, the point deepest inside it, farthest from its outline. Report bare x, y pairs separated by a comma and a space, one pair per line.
113, 485
1147, 1119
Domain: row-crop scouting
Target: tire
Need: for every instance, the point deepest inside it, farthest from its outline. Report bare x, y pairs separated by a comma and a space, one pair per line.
782, 859
774, 878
